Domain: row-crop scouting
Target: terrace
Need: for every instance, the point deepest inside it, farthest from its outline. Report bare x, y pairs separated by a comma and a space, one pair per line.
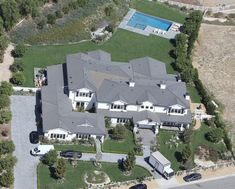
145, 24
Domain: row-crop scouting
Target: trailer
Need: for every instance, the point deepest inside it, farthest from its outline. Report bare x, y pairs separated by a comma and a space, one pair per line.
41, 150
161, 164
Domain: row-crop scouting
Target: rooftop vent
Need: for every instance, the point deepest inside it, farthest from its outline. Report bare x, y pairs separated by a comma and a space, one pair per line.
187, 96
162, 85
131, 83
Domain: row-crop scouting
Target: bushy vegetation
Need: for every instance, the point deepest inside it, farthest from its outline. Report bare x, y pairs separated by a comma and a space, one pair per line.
119, 132
50, 158
60, 168
19, 51
215, 135
17, 78
6, 88
4, 101
69, 20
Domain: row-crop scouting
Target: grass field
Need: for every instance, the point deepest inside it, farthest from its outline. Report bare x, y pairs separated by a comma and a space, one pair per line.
123, 46
74, 176
171, 151
195, 97
122, 147
76, 147
159, 10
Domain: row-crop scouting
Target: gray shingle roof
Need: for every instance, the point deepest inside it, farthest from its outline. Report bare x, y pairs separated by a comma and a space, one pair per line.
57, 113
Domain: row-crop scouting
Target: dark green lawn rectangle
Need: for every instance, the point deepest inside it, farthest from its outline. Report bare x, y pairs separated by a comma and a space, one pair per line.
76, 147
123, 46
122, 147
75, 176
159, 10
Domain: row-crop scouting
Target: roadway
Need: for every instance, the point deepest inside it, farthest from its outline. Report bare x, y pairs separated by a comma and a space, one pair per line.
227, 182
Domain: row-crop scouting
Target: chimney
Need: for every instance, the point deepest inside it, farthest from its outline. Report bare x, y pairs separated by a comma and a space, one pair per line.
131, 83
187, 97
162, 85
178, 77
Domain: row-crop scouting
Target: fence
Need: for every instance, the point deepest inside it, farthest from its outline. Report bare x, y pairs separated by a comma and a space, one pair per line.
197, 7
214, 167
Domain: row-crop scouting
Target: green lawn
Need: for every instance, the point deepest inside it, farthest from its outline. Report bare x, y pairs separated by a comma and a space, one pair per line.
122, 147
195, 97
170, 150
74, 176
78, 147
123, 46
159, 10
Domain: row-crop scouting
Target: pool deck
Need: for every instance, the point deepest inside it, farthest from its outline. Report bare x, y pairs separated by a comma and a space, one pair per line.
170, 34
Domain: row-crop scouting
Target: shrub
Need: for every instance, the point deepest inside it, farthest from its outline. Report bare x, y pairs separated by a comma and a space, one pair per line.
228, 142
5, 116
4, 101
5, 132
19, 50
109, 28
7, 163
59, 14
60, 169
215, 135
51, 18
65, 9
7, 178
6, 88
41, 23
187, 135
50, 158
108, 10
6, 147
17, 67
186, 153
129, 162
119, 132
17, 79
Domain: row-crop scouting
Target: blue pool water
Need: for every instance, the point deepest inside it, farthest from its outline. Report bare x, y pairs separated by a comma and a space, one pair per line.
140, 21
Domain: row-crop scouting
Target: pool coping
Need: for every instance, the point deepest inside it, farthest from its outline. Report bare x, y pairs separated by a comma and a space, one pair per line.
169, 34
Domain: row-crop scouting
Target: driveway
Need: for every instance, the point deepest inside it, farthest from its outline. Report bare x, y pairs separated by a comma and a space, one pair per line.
23, 123
148, 136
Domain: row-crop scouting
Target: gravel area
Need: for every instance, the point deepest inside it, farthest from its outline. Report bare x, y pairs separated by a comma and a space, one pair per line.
23, 123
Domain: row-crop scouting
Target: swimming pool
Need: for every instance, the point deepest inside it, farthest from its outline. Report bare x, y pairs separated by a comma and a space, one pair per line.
141, 21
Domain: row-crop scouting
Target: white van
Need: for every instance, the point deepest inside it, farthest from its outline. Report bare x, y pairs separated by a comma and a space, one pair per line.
41, 150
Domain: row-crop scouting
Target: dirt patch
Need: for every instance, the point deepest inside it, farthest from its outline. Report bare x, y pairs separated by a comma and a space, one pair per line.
214, 58
5, 73
192, 2
5, 132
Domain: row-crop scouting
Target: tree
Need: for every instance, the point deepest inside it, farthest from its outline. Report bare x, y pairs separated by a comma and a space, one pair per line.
9, 13
17, 79
50, 158
129, 162
4, 101
19, 50
7, 178
59, 14
60, 170
187, 135
108, 10
17, 67
7, 162
51, 18
215, 135
6, 88
5, 116
119, 132
6, 147
28, 7
186, 153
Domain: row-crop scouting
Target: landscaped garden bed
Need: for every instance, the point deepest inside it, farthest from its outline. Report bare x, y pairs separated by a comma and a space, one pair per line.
75, 176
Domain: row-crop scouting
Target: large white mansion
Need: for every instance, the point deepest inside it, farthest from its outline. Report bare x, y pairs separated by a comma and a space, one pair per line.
140, 91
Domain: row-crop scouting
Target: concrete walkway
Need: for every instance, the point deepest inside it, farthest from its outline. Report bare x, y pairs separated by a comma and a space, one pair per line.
5, 73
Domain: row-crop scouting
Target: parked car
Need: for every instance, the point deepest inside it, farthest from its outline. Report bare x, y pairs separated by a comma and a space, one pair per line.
34, 137
70, 154
139, 186
192, 177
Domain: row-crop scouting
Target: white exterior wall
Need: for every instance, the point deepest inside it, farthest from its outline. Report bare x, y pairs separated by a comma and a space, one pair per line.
132, 108
68, 136
102, 106
159, 109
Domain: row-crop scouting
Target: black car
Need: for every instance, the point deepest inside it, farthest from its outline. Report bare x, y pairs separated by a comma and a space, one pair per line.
139, 186
34, 137
71, 154
192, 177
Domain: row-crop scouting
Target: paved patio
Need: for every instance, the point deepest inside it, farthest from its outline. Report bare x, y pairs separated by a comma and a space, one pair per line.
148, 136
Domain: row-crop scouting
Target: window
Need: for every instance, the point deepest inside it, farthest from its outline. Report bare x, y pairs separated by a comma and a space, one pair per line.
77, 93
147, 107
63, 136
58, 136
51, 135
151, 107
54, 136
90, 94
142, 106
